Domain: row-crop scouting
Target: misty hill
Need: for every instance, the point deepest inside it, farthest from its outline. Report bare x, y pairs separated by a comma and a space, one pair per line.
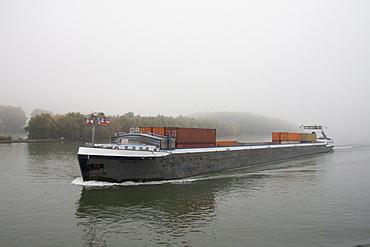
242, 123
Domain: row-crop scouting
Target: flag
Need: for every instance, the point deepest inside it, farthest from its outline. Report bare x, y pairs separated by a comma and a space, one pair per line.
103, 121
89, 121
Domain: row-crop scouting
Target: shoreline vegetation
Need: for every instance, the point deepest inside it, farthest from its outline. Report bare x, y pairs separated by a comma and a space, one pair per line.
44, 126
42, 140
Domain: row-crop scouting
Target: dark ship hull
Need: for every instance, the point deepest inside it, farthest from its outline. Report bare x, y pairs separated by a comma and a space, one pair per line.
119, 165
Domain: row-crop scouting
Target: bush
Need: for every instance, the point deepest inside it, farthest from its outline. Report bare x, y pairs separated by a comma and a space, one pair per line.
5, 138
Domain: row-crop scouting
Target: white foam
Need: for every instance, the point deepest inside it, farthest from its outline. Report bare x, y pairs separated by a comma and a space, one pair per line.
343, 147
79, 181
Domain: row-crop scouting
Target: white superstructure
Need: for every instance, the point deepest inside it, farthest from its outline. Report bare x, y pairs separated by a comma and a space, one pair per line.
319, 131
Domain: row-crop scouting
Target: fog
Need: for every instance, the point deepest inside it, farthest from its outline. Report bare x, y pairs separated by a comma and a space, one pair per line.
302, 61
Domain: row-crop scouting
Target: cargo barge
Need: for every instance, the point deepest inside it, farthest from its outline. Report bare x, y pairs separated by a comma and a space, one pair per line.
152, 153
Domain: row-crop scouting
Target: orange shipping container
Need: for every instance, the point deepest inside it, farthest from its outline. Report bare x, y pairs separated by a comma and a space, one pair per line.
275, 136
154, 130
145, 129
285, 136
225, 143
185, 135
192, 135
280, 136
158, 131
293, 137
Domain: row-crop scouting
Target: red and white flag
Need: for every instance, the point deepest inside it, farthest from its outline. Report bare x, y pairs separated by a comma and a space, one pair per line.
89, 121
103, 121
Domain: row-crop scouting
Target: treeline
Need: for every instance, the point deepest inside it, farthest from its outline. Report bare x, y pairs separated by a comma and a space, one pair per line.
73, 125
69, 126
44, 125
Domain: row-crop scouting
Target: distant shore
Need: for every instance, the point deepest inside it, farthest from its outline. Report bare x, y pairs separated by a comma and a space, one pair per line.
40, 140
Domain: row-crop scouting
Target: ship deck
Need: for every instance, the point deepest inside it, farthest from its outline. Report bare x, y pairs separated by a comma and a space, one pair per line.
161, 153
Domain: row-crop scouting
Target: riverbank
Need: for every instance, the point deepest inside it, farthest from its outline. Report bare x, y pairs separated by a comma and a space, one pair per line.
41, 140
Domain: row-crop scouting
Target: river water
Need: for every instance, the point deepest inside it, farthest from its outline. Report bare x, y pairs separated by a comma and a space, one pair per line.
318, 200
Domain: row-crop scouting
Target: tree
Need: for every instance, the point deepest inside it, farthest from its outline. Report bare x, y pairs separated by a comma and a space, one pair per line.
12, 119
67, 127
84, 130
42, 127
113, 127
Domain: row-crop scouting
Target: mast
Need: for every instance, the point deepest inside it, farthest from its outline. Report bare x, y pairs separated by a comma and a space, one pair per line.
93, 131
96, 119
93, 123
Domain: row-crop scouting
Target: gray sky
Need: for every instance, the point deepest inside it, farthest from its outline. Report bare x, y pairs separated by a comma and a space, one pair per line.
303, 61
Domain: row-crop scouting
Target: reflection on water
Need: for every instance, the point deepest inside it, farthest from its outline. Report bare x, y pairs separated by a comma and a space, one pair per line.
168, 213
159, 213
52, 160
